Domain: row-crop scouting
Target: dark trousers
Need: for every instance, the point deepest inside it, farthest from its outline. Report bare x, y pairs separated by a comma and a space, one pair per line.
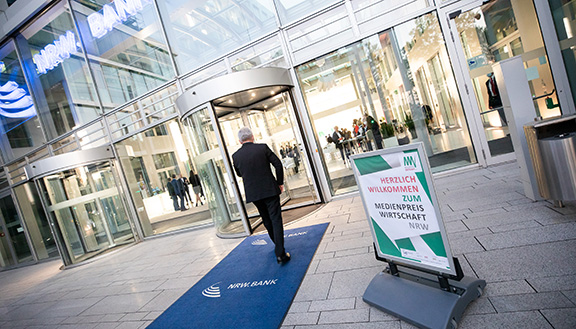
182, 202
271, 214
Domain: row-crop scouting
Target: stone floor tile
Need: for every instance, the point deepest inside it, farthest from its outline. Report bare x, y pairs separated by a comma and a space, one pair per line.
554, 283
508, 288
314, 287
564, 318
529, 236
524, 320
341, 283
528, 302
528, 262
122, 303
295, 319
332, 304
345, 316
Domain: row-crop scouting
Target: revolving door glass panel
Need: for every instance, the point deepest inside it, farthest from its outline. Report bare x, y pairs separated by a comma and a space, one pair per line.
271, 121
86, 208
13, 236
208, 164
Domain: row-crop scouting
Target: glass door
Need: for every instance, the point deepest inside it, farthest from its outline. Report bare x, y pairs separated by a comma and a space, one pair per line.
486, 33
14, 248
272, 121
87, 210
214, 173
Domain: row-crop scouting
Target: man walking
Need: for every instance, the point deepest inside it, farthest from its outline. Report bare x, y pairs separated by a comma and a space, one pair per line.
252, 163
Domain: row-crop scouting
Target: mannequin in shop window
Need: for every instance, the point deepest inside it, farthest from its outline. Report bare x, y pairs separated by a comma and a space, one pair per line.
494, 100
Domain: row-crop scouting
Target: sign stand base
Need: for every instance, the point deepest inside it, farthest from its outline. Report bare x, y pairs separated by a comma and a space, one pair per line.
417, 298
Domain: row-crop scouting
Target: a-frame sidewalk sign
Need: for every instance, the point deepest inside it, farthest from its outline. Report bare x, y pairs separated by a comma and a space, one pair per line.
423, 283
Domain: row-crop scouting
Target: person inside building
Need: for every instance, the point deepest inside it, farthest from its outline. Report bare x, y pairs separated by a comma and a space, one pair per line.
196, 188
373, 126
172, 194
179, 190
338, 138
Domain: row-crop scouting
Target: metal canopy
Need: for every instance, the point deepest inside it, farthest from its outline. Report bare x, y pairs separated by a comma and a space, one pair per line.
236, 90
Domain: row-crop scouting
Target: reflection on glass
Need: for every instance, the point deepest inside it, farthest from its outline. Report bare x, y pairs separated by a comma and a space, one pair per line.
494, 32
15, 231
87, 210
264, 54
36, 222
214, 177
292, 10
149, 159
565, 22
18, 115
389, 89
65, 94
200, 31
129, 59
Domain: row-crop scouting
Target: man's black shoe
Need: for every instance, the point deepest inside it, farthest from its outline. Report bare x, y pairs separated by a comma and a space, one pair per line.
283, 259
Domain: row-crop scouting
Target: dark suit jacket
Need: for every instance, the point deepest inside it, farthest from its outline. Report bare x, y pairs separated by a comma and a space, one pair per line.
178, 186
252, 163
337, 141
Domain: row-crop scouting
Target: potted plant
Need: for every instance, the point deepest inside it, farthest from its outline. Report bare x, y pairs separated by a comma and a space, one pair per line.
387, 130
410, 124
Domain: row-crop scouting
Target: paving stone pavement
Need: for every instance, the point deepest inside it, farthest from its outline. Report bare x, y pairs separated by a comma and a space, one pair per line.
525, 251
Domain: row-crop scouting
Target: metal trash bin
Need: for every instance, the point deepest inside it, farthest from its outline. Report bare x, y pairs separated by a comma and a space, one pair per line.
552, 145
559, 164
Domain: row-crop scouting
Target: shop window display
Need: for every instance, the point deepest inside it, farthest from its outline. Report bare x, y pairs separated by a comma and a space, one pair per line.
389, 89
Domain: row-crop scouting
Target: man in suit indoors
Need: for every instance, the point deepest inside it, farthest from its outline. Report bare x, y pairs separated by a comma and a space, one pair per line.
252, 163
179, 190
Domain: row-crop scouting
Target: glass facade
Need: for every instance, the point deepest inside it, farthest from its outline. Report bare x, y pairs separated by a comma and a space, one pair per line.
389, 89
125, 46
89, 73
564, 14
20, 129
490, 34
200, 31
64, 92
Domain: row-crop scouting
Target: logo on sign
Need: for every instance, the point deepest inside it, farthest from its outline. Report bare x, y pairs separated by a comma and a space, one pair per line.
103, 21
214, 290
55, 53
409, 163
259, 242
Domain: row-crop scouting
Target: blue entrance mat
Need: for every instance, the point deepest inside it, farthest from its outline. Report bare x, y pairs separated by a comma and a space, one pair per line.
247, 289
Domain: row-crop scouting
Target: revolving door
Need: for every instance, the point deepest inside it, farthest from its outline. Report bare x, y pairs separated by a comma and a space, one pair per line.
85, 206
213, 112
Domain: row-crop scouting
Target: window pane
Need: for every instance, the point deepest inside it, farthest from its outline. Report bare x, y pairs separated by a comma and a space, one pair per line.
564, 13
60, 79
201, 31
128, 54
148, 159
292, 10
19, 124
389, 89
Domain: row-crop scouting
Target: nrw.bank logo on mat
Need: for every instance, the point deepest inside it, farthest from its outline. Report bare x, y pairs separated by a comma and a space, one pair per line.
214, 290
259, 242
